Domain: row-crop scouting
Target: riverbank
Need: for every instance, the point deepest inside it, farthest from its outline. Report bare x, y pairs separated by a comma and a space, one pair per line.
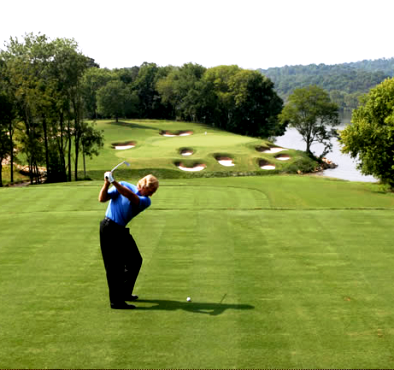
347, 167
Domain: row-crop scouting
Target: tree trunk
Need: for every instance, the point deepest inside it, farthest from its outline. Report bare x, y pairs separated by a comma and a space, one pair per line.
84, 162
11, 153
69, 149
44, 124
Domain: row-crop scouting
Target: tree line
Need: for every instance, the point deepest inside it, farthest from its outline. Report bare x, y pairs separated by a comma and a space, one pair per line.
42, 107
50, 93
228, 97
346, 82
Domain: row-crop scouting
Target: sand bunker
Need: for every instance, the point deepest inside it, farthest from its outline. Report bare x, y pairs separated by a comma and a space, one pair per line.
273, 150
282, 157
124, 145
264, 165
186, 152
196, 167
266, 149
225, 161
174, 134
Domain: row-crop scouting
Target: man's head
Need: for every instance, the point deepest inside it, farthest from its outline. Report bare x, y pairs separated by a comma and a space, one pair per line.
148, 185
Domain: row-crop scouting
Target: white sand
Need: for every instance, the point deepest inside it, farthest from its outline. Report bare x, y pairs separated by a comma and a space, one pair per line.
123, 147
268, 167
284, 158
187, 153
191, 169
226, 162
273, 150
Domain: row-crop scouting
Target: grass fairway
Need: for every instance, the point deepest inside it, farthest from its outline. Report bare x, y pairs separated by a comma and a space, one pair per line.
161, 154
283, 272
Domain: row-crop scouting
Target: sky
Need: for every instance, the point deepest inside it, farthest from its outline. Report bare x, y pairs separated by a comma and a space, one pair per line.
249, 33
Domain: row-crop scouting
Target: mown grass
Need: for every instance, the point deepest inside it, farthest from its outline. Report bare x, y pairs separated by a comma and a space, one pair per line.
283, 272
159, 153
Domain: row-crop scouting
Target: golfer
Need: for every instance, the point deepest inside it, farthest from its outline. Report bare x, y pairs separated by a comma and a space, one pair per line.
122, 259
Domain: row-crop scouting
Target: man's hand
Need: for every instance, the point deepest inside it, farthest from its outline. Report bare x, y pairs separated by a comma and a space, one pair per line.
108, 176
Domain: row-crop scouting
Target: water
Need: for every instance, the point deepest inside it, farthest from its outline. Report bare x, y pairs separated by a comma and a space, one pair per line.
346, 169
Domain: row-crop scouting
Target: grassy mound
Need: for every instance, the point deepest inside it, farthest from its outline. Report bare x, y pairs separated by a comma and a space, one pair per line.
159, 146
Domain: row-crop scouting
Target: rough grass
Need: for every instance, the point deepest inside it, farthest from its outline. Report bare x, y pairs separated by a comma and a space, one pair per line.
283, 272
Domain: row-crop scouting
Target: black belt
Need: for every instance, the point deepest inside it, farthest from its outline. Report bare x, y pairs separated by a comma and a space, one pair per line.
112, 222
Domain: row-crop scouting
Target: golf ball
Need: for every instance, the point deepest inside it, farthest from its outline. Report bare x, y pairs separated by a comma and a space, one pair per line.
188, 299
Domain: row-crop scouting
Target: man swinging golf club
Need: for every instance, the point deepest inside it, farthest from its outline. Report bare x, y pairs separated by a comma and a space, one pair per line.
122, 259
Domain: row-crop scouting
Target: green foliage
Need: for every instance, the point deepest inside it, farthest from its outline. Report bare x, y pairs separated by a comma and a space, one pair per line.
44, 83
302, 165
345, 82
370, 137
93, 80
246, 101
111, 99
310, 110
228, 97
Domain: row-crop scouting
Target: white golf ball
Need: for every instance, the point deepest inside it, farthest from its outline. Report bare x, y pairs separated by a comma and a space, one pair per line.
188, 299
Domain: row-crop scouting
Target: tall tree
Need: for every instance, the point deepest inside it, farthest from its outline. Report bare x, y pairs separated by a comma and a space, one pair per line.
111, 99
370, 136
256, 105
310, 111
246, 102
92, 141
93, 80
145, 87
7, 115
180, 89
44, 80
26, 72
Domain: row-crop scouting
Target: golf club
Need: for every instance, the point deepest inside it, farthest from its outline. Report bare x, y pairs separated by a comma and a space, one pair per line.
124, 162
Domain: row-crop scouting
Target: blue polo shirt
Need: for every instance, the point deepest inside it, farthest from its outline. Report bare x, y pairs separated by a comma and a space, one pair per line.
120, 209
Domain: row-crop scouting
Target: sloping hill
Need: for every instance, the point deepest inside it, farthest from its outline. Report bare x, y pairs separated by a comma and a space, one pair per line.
182, 149
345, 82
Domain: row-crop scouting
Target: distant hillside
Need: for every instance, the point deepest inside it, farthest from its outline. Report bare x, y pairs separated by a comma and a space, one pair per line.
345, 82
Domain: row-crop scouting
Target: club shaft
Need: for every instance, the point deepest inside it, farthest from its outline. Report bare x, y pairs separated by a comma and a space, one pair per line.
116, 166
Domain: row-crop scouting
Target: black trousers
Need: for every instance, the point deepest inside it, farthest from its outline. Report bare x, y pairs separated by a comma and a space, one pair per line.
122, 259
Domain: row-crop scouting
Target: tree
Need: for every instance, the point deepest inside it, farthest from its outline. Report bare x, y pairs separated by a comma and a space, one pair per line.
91, 140
256, 105
180, 89
246, 102
43, 78
370, 136
111, 99
145, 87
93, 80
7, 115
310, 110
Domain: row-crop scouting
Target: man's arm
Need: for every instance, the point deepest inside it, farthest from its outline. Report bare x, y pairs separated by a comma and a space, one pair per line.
103, 196
133, 198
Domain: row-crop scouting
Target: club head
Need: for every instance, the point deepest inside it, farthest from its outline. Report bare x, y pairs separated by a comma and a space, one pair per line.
127, 163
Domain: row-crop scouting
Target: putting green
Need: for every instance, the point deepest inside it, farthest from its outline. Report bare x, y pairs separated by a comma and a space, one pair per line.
214, 140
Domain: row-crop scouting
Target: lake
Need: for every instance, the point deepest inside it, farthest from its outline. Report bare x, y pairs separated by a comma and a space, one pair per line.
346, 169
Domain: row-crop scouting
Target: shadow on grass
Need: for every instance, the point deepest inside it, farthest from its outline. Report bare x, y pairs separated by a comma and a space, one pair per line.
134, 125
212, 309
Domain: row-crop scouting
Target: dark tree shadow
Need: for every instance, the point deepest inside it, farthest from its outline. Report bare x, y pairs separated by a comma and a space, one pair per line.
134, 125
212, 309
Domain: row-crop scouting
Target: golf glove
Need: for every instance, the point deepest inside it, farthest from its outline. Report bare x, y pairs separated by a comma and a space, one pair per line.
108, 175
